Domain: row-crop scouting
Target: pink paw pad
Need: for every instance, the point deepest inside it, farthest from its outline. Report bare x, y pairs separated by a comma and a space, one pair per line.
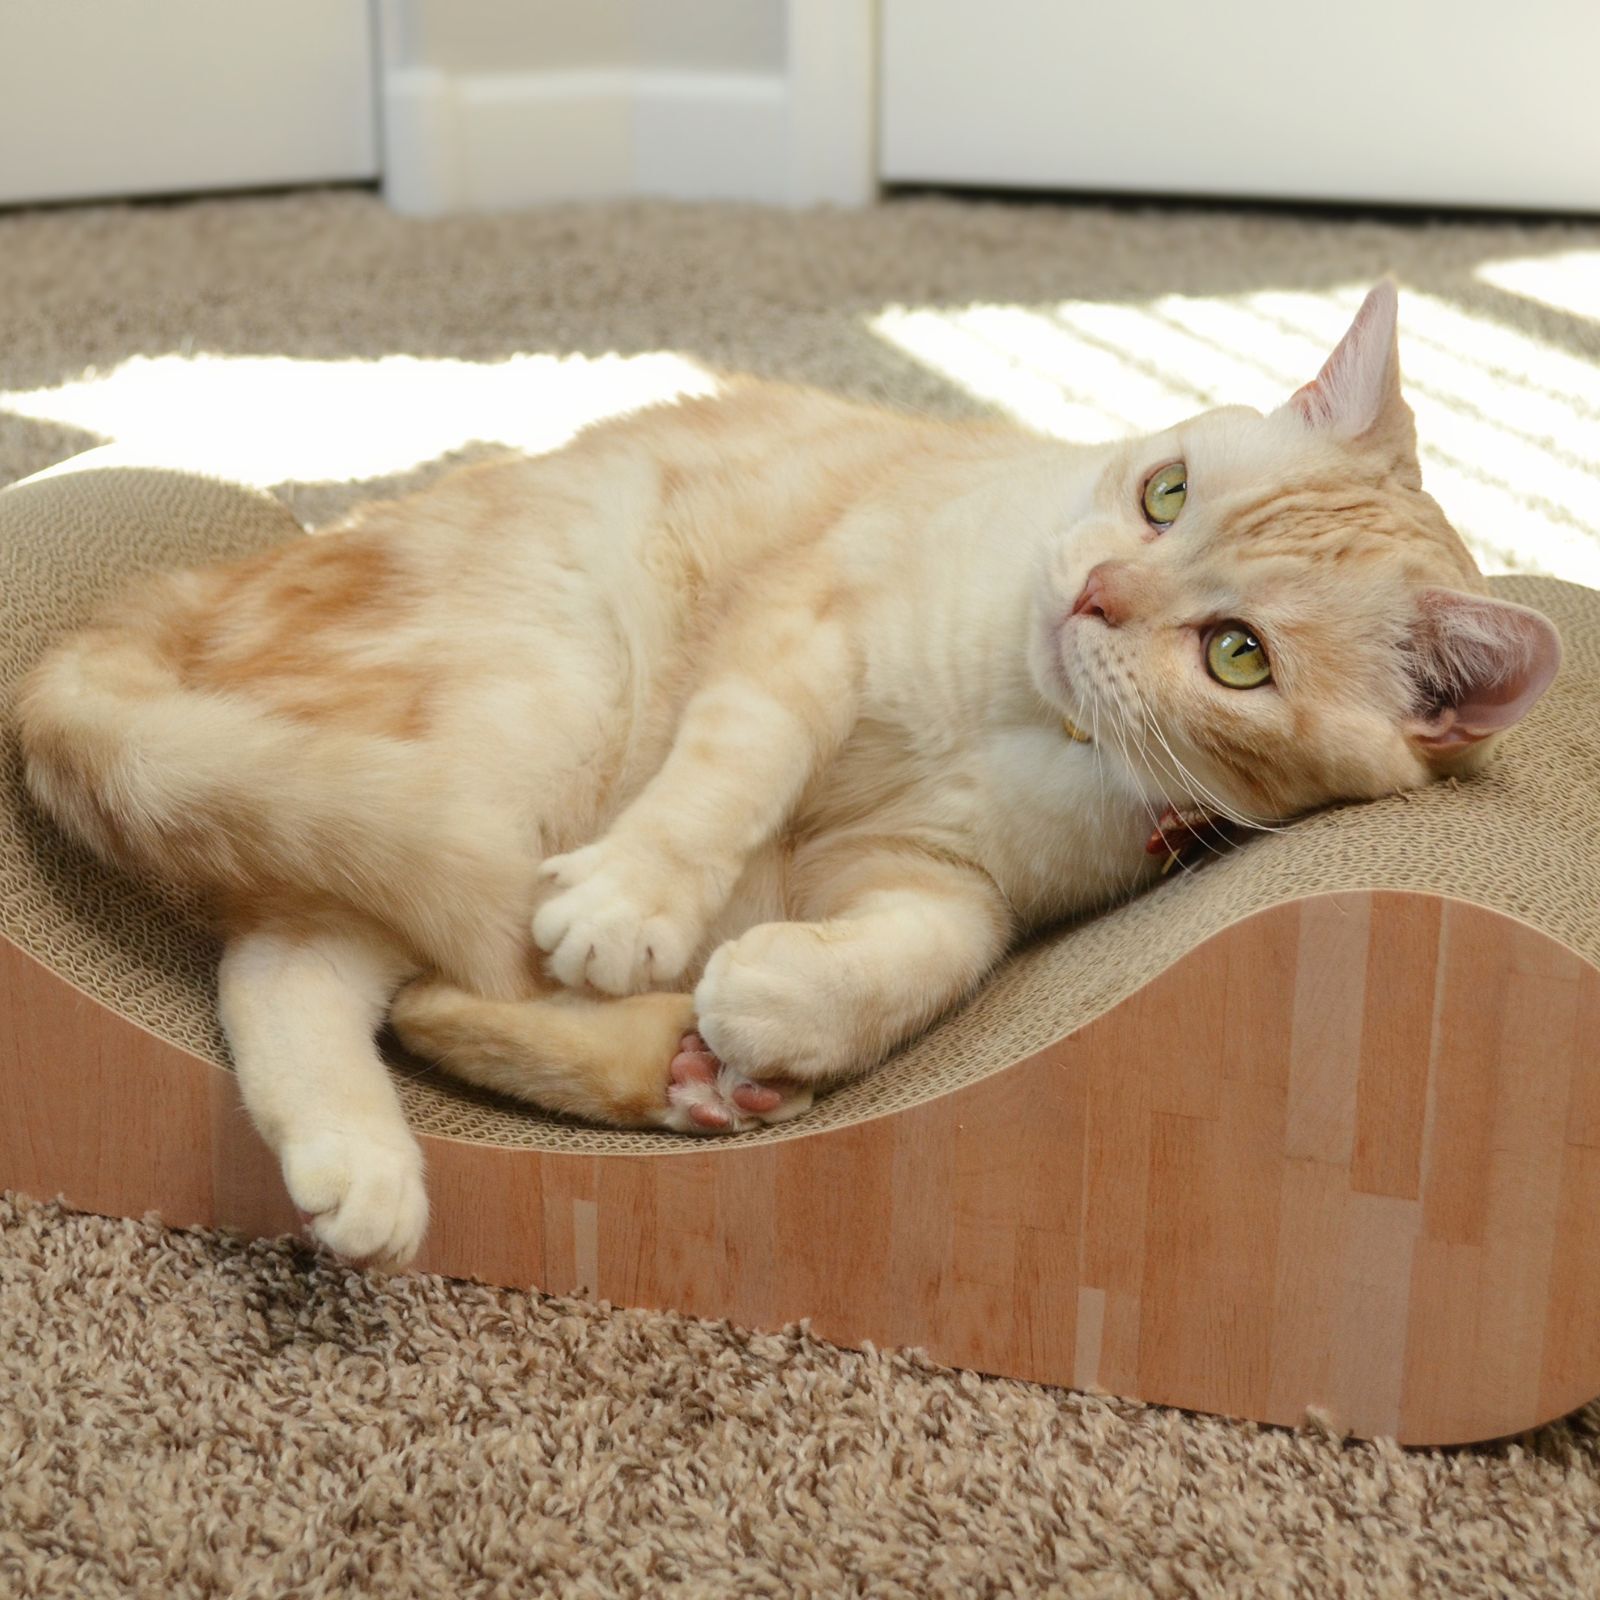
705, 1096
694, 1063
757, 1097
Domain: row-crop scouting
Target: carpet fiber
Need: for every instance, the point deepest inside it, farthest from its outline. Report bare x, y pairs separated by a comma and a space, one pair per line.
185, 1415
181, 1414
323, 346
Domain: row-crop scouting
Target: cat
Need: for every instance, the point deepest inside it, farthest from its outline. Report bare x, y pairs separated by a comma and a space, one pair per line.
670, 777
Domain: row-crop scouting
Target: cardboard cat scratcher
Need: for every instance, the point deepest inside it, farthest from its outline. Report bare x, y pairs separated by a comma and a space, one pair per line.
1315, 1127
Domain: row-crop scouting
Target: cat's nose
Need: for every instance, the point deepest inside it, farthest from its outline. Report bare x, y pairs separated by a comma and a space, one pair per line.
1105, 594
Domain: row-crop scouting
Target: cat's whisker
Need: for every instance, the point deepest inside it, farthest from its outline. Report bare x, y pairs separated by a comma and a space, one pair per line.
1198, 792
1123, 735
1155, 778
1177, 856
1119, 733
1094, 740
1142, 761
1148, 723
1093, 702
1184, 780
1142, 758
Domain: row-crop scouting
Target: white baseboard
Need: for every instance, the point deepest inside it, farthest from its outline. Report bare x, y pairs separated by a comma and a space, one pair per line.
711, 136
500, 141
831, 53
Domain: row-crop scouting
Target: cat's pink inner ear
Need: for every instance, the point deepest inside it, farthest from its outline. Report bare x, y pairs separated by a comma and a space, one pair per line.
1483, 663
1360, 382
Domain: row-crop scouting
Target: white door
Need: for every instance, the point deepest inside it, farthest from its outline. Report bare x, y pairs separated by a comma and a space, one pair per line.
1430, 102
128, 97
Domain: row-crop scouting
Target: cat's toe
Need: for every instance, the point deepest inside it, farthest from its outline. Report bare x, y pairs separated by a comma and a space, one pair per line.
693, 1062
769, 1101
706, 1095
757, 1098
606, 934
363, 1196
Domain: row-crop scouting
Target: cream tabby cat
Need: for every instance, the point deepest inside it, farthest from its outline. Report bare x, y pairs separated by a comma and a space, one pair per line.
766, 712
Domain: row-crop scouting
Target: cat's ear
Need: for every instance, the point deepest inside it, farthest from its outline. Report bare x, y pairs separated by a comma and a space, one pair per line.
1480, 665
1357, 393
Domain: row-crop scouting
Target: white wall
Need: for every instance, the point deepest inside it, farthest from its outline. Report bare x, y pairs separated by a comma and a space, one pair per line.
1428, 102
711, 35
168, 96
470, 36
477, 36
492, 104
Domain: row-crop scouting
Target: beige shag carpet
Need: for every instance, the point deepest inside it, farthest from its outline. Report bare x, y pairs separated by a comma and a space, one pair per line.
185, 1415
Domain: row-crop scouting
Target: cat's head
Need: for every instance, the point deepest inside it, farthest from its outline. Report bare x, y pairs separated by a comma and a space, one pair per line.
1263, 614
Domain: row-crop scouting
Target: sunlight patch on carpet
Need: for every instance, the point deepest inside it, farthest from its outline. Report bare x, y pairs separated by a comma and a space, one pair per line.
1509, 425
270, 419
1567, 282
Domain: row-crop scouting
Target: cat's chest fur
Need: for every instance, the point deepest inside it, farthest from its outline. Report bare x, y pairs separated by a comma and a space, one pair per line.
1055, 832
1024, 802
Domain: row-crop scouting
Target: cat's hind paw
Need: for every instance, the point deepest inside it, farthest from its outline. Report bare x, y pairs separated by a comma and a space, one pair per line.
364, 1198
706, 1095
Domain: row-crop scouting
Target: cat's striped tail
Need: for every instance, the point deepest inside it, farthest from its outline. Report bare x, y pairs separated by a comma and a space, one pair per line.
212, 792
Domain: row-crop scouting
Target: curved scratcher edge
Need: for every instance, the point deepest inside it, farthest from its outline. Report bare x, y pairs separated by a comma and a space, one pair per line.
1343, 1155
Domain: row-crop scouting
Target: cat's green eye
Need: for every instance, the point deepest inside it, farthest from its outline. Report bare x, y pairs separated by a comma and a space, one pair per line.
1164, 493
1235, 657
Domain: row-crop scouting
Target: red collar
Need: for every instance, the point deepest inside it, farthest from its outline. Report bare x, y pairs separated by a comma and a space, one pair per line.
1186, 837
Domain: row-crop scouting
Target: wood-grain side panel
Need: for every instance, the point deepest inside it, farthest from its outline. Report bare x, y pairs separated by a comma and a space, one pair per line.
95, 1109
1343, 1156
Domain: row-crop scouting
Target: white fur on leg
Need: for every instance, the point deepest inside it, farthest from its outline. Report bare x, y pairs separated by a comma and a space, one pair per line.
300, 1014
814, 1002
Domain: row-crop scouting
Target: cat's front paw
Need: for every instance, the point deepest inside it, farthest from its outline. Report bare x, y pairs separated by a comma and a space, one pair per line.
764, 1004
618, 923
362, 1192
